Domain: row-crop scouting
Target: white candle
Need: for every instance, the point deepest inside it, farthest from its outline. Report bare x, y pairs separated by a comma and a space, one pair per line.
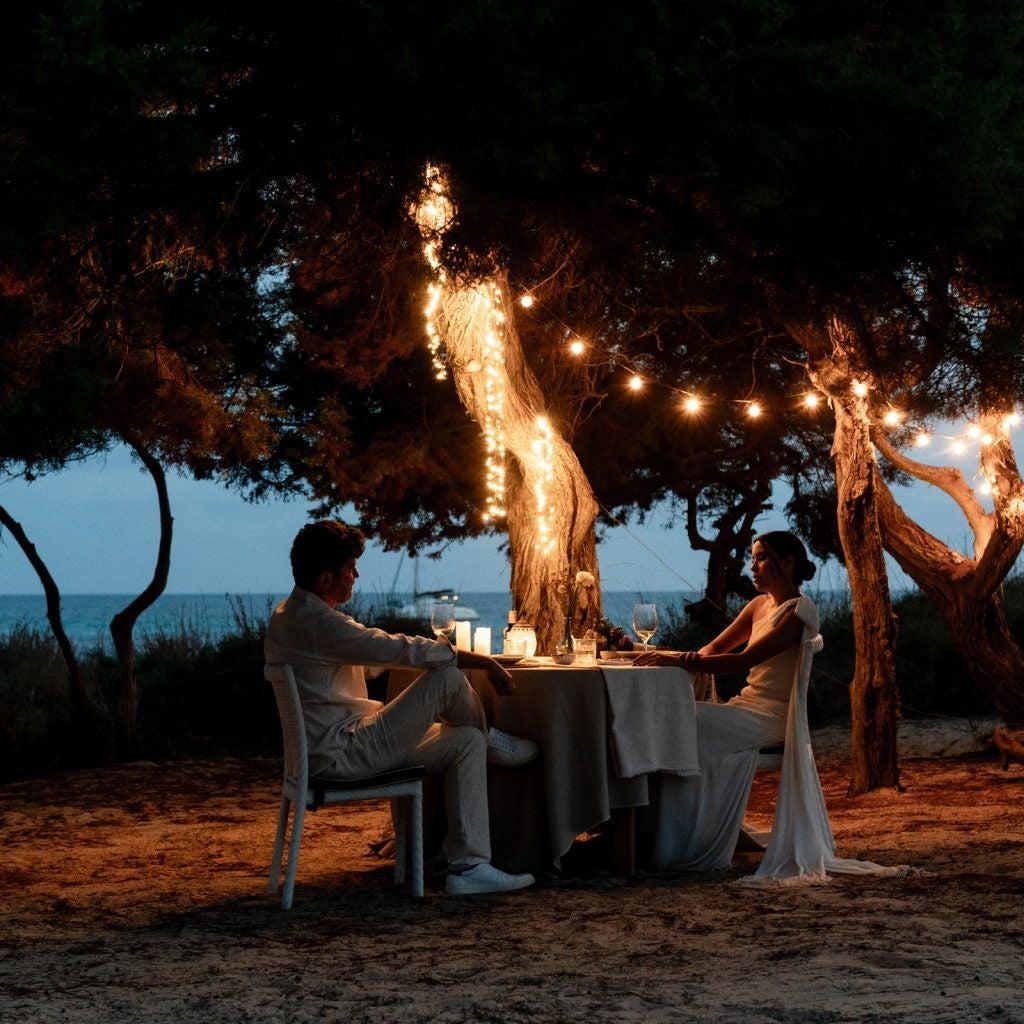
482, 640
462, 636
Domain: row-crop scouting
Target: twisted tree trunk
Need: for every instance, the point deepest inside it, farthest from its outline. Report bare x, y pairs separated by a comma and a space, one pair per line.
874, 698
551, 509
965, 591
79, 693
123, 623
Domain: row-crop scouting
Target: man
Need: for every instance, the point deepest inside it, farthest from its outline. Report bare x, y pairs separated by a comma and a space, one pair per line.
351, 736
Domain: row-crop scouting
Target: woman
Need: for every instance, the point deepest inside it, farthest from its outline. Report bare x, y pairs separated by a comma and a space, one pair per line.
697, 819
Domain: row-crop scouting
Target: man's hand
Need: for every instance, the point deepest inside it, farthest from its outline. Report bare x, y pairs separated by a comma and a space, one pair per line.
501, 679
498, 675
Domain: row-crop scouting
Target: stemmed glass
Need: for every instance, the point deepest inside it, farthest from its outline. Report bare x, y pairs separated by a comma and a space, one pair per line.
645, 622
442, 620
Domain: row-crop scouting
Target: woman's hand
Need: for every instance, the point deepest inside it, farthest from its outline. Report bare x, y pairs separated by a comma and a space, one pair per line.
653, 659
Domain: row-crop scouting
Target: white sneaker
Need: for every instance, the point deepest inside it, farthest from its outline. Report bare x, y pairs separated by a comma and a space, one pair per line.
509, 751
482, 878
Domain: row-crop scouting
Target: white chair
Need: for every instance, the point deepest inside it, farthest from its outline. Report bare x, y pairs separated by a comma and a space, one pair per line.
772, 757
404, 787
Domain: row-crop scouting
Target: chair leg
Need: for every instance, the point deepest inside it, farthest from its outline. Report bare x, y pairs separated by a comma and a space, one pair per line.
416, 829
275, 861
400, 826
293, 855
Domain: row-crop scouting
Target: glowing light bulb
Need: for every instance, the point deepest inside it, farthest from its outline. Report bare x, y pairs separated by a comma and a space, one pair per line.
577, 347
986, 439
1011, 420
984, 487
860, 389
635, 383
811, 400
922, 440
958, 447
974, 431
754, 410
692, 404
526, 301
891, 418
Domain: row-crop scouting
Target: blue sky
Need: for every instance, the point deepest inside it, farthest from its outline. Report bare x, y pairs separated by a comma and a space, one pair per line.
96, 527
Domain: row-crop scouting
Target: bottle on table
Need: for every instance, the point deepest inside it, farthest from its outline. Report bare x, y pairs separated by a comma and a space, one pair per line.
513, 617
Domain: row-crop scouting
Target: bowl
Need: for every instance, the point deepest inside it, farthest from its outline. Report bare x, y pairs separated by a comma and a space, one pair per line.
563, 659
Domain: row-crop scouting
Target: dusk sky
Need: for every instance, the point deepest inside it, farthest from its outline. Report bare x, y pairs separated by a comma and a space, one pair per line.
96, 527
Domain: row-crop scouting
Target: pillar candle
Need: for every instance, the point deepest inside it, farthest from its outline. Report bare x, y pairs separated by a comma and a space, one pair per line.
462, 636
482, 640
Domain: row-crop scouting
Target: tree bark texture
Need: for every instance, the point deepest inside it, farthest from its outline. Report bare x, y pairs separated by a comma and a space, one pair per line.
551, 509
122, 625
874, 698
965, 591
53, 612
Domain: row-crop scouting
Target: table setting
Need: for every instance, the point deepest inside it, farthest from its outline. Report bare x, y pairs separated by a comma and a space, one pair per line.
604, 725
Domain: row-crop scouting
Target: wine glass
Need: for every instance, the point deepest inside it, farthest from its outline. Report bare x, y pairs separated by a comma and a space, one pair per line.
645, 622
442, 620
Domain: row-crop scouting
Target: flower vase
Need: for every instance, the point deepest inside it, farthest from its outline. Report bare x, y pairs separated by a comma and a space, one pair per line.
564, 647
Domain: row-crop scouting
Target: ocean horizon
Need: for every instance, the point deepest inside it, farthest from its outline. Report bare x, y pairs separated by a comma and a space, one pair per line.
86, 617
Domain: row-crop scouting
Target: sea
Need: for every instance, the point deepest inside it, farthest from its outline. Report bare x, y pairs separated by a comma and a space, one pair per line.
87, 617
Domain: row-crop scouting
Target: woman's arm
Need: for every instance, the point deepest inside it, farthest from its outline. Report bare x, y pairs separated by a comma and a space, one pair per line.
736, 633
717, 656
787, 632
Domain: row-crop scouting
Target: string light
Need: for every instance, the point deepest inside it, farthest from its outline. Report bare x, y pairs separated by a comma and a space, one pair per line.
754, 410
922, 440
984, 487
692, 404
891, 418
635, 383
958, 447
986, 439
543, 450
577, 347
434, 213
811, 400
860, 389
1011, 420
973, 431
526, 301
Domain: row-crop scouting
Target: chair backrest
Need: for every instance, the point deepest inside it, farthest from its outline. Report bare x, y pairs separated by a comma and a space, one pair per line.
293, 728
808, 649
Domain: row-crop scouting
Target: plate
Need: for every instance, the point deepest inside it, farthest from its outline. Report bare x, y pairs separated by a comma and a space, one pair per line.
508, 659
619, 655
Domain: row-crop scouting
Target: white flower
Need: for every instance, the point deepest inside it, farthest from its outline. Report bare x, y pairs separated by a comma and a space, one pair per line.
585, 579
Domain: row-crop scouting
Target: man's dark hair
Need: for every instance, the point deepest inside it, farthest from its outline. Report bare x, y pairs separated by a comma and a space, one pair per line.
322, 547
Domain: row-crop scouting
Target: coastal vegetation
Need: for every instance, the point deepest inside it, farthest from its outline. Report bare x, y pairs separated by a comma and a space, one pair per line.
203, 695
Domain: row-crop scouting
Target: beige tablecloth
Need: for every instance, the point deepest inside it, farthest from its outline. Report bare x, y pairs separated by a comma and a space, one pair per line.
589, 723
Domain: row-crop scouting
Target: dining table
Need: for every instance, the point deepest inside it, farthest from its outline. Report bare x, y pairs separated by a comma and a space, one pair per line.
604, 730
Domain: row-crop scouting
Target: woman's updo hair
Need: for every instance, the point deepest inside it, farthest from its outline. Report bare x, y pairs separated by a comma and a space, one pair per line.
782, 544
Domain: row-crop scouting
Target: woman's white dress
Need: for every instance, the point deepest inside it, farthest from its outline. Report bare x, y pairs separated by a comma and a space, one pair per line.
697, 818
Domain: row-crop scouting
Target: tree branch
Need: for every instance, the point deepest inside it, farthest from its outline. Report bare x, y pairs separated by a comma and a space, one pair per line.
947, 479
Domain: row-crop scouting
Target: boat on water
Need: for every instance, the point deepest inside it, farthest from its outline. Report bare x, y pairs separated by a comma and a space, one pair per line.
423, 601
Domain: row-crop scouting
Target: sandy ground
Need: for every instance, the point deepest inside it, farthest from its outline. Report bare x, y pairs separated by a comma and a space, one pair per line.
137, 894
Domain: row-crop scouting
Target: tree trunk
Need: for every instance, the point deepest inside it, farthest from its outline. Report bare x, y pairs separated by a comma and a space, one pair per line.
79, 694
874, 699
551, 509
123, 623
965, 591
